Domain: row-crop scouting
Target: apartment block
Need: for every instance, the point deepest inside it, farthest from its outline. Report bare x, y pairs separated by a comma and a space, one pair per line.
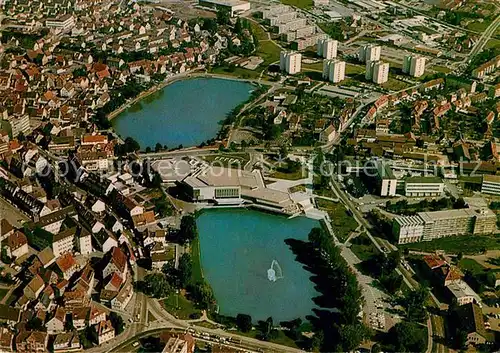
290, 62
387, 182
302, 43
491, 184
427, 226
414, 65
327, 48
377, 72
369, 53
19, 124
291, 25
424, 186
334, 70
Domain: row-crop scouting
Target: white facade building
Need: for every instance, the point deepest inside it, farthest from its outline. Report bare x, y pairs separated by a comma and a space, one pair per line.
233, 6
491, 185
63, 242
424, 186
334, 70
327, 48
369, 53
290, 62
414, 65
410, 229
377, 72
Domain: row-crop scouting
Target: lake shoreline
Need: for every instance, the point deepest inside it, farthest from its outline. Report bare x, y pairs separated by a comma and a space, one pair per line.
171, 80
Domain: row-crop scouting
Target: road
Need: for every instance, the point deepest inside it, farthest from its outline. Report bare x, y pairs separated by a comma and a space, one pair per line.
485, 37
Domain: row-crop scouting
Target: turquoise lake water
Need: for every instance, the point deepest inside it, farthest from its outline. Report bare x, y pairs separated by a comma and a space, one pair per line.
184, 113
238, 247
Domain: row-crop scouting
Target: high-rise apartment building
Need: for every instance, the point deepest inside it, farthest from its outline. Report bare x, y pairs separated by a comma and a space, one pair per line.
334, 70
290, 62
377, 72
414, 65
369, 53
327, 48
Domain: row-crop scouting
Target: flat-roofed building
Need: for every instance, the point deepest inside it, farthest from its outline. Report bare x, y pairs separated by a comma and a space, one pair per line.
424, 186
225, 186
462, 293
386, 179
327, 48
369, 53
233, 6
491, 184
414, 65
290, 62
334, 70
409, 229
440, 224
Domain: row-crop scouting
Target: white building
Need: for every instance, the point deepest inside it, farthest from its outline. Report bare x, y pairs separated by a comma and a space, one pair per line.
327, 48
19, 124
105, 332
328, 135
423, 186
290, 62
63, 242
410, 229
491, 185
414, 65
334, 70
63, 22
377, 71
462, 293
84, 242
387, 182
233, 6
369, 53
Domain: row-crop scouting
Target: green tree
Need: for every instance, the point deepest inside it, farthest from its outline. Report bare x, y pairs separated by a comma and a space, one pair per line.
414, 302
223, 16
148, 149
244, 322
409, 337
185, 270
158, 147
117, 322
155, 285
188, 229
202, 295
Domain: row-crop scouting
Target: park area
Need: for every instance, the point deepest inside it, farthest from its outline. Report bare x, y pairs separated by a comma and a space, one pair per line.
341, 221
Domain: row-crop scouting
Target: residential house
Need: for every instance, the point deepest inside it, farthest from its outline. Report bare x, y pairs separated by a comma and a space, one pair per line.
34, 287
67, 265
32, 342
6, 229
96, 315
105, 332
63, 242
46, 257
56, 324
9, 315
80, 317
123, 298
470, 319
67, 342
116, 262
16, 244
6, 340
84, 242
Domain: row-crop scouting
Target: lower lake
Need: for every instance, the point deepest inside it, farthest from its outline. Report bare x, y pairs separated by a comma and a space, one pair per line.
238, 246
184, 113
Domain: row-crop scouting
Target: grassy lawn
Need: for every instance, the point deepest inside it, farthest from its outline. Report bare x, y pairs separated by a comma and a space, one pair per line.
268, 51
442, 69
205, 324
237, 72
236, 161
289, 176
281, 338
178, 305
298, 3
3, 293
352, 69
316, 66
453, 245
197, 275
478, 26
342, 223
492, 43
297, 188
394, 85
363, 247
472, 266
259, 32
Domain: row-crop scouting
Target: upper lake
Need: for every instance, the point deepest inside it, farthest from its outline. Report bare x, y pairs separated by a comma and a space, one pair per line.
238, 247
184, 113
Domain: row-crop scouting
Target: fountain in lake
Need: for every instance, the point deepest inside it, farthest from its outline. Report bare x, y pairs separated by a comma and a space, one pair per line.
274, 272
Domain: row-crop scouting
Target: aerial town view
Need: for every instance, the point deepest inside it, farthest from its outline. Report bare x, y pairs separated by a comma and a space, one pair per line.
285, 176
